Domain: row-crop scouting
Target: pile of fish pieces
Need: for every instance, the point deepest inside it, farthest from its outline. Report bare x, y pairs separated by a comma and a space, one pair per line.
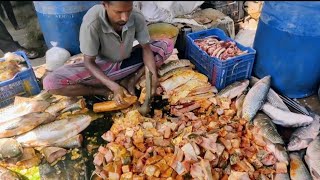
218, 48
46, 124
221, 144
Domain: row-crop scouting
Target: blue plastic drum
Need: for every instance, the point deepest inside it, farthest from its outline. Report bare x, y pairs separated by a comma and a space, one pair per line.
287, 45
60, 21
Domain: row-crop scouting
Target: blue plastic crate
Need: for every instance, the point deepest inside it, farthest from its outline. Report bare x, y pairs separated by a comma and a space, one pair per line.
221, 73
22, 84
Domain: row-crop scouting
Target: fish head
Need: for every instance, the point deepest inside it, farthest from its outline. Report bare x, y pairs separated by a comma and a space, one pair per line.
296, 144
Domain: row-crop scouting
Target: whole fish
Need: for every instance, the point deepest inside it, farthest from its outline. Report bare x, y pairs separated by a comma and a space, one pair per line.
174, 65
272, 97
10, 148
267, 129
255, 98
285, 118
22, 109
298, 170
74, 142
281, 176
302, 136
239, 104
6, 174
312, 158
234, 90
24, 124
54, 132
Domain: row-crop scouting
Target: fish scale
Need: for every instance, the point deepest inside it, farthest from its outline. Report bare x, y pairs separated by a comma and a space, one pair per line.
235, 89
255, 98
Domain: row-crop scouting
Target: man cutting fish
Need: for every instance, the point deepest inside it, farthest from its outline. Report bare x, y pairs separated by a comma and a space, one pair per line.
106, 38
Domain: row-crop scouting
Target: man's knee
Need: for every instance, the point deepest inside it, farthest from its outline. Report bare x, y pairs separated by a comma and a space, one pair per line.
50, 82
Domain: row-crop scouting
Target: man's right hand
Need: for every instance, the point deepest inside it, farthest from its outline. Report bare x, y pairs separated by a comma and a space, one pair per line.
119, 94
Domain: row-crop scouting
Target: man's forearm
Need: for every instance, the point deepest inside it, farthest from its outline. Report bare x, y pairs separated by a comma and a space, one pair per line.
148, 60
90, 64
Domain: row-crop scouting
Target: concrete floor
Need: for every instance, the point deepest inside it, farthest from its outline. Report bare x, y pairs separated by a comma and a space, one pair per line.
30, 36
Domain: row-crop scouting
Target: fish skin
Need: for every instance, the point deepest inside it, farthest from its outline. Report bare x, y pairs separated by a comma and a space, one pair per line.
174, 65
302, 137
267, 129
284, 118
59, 106
235, 89
10, 148
312, 158
23, 109
239, 104
298, 170
255, 98
284, 176
272, 97
73, 142
24, 124
173, 72
54, 132
6, 174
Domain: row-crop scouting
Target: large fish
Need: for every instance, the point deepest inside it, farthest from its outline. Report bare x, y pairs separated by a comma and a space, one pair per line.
54, 132
174, 65
272, 97
24, 124
298, 170
255, 98
6, 174
10, 148
267, 129
234, 90
312, 158
22, 109
301, 137
285, 118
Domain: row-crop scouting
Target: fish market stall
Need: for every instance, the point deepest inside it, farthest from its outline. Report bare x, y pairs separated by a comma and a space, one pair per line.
210, 119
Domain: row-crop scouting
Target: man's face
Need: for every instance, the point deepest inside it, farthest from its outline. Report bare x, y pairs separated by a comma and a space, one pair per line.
118, 12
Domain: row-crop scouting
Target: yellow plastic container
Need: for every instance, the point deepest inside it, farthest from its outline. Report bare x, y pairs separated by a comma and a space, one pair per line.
162, 30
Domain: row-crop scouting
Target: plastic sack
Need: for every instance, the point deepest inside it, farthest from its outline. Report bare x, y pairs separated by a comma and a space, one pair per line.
56, 57
166, 11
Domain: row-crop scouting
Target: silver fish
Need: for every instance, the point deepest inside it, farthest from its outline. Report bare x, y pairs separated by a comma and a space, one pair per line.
10, 148
239, 104
22, 109
301, 138
298, 170
272, 97
255, 98
235, 89
312, 158
267, 129
54, 132
24, 124
74, 142
59, 106
284, 118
